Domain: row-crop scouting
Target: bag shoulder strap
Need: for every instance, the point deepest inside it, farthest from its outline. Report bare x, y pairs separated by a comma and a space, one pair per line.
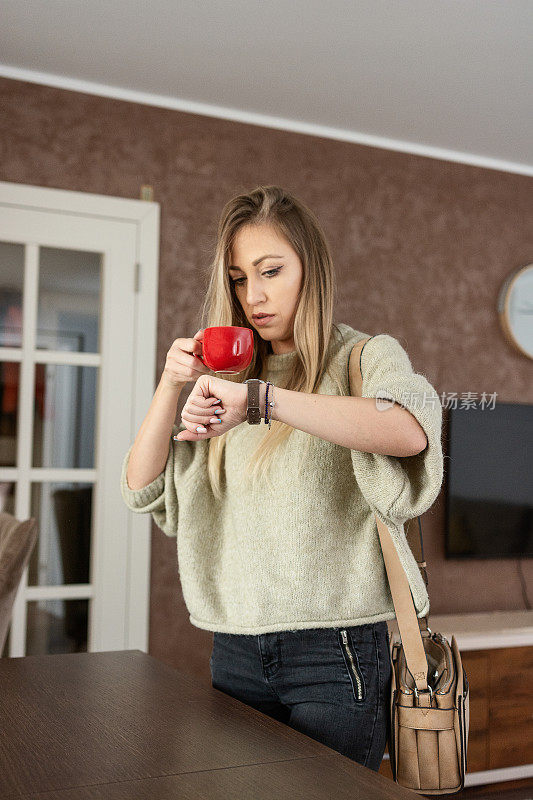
408, 623
413, 527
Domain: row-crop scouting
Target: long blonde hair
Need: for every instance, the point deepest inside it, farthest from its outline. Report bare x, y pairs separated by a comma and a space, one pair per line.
313, 322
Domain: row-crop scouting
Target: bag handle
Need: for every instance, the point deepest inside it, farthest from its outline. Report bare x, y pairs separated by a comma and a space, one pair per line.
408, 622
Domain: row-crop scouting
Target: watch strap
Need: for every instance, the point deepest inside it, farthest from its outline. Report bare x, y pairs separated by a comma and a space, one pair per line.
253, 410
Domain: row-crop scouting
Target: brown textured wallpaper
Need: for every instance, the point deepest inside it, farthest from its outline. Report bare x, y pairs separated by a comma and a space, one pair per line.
421, 248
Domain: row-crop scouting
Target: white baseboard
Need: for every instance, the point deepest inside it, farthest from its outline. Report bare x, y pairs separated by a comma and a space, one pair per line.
497, 775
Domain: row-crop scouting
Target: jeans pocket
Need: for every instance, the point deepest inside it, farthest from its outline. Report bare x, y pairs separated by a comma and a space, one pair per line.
352, 665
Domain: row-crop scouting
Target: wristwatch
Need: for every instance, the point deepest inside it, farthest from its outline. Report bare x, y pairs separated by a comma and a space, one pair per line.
253, 410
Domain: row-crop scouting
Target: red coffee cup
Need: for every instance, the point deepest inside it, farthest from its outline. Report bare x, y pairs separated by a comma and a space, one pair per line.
227, 348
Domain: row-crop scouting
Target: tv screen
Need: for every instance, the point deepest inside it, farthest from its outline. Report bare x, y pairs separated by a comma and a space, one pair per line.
489, 497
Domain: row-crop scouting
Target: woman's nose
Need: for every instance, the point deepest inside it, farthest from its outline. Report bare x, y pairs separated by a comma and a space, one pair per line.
254, 294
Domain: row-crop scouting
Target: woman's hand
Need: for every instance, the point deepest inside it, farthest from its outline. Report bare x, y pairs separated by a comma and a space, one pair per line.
182, 363
201, 404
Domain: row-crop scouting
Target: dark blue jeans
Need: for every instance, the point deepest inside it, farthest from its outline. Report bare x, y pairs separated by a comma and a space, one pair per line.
333, 684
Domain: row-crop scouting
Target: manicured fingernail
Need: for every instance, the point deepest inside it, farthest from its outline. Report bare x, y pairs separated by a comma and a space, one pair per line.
216, 401
218, 411
201, 429
215, 419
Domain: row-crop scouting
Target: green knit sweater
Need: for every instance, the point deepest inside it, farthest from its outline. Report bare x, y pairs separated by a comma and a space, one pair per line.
304, 553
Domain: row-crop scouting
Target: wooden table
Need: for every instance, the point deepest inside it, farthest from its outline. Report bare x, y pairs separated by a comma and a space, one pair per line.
122, 725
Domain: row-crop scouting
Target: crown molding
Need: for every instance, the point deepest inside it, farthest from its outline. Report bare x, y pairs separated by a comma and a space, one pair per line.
263, 120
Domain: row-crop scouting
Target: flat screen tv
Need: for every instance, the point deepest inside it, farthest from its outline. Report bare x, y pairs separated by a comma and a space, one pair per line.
489, 495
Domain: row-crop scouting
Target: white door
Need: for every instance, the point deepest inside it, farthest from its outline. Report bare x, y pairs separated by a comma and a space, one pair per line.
78, 295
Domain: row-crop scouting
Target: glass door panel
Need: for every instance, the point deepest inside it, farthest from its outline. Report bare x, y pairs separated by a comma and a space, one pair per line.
64, 416
62, 553
12, 276
56, 626
5, 651
68, 313
9, 391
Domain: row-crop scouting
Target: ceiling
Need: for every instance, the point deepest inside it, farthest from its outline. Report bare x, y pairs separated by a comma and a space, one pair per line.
447, 79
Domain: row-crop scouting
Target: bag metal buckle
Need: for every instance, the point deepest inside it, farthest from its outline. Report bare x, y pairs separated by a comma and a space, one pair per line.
429, 689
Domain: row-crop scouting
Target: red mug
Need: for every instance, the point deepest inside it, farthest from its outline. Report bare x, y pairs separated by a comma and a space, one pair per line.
227, 348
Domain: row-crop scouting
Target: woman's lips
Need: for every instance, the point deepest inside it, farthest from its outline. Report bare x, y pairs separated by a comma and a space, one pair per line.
263, 320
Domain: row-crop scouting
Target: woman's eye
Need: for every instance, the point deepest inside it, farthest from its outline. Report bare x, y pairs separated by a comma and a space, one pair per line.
270, 273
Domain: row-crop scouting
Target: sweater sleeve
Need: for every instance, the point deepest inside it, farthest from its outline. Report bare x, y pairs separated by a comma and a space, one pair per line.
159, 497
400, 488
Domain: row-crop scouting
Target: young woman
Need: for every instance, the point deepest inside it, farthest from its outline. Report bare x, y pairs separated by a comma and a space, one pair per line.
277, 544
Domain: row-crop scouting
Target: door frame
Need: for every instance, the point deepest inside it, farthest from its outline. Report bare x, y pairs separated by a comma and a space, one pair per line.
145, 216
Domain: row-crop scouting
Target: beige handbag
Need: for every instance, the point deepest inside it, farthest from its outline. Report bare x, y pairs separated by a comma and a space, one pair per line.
429, 702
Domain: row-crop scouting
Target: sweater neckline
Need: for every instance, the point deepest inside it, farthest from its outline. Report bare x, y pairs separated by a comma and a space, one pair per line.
279, 361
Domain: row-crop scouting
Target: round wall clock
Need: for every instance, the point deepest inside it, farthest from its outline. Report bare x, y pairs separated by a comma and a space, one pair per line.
515, 309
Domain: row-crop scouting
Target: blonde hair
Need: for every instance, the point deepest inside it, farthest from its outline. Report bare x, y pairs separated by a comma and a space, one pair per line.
313, 323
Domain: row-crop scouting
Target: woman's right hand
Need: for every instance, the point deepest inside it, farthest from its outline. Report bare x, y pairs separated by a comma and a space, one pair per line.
182, 364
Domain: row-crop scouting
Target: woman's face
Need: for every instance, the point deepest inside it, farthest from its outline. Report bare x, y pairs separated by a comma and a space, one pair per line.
267, 285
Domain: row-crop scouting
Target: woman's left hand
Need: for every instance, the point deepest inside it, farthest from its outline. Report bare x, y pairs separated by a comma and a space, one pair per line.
201, 404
